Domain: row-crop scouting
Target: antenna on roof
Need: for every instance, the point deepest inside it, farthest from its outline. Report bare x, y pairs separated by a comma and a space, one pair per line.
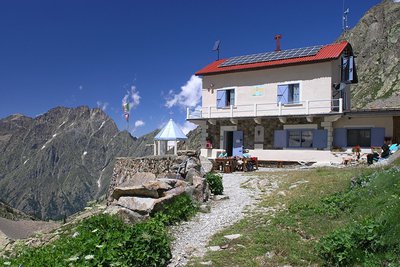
345, 26
216, 47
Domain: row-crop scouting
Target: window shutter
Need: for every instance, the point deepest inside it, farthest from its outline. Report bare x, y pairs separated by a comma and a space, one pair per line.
340, 137
377, 136
345, 69
280, 138
221, 98
283, 94
320, 138
351, 64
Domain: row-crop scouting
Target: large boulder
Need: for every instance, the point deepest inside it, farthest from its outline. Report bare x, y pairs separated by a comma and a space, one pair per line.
149, 189
127, 215
141, 205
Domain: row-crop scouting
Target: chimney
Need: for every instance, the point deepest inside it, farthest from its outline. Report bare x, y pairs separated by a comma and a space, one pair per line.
278, 38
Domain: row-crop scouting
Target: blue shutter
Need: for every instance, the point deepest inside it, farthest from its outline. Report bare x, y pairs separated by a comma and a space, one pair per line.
283, 94
340, 137
280, 138
237, 150
377, 136
320, 138
221, 98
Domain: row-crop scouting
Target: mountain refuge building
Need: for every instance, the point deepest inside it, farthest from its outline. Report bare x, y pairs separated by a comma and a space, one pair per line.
288, 105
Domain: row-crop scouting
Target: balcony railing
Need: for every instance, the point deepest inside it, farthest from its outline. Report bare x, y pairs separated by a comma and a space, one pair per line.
306, 108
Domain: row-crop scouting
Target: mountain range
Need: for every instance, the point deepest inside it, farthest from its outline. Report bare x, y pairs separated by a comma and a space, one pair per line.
52, 165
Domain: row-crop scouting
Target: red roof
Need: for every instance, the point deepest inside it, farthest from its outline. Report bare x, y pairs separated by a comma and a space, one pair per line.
327, 52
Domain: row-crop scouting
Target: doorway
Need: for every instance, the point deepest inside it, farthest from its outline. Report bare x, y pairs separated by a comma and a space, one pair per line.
233, 143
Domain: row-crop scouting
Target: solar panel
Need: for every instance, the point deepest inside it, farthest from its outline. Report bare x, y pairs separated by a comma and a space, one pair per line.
271, 56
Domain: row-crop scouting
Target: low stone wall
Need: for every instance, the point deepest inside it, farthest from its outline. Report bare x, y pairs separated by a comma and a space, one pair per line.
168, 166
141, 186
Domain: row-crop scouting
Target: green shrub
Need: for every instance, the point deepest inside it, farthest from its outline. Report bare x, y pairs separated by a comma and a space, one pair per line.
215, 182
334, 204
181, 209
104, 240
355, 243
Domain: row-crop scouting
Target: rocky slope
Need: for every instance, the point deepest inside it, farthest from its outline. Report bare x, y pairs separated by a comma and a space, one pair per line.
376, 43
52, 165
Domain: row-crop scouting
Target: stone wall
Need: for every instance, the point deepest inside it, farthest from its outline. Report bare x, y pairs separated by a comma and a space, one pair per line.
141, 186
167, 166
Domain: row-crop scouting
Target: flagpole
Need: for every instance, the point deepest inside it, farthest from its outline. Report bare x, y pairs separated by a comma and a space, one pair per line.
126, 139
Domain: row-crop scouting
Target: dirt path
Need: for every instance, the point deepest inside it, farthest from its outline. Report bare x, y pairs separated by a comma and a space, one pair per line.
191, 237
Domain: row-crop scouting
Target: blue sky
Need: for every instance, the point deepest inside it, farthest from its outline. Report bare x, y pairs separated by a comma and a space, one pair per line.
92, 52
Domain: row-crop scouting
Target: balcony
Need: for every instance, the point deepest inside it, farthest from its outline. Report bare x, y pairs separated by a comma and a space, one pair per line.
304, 108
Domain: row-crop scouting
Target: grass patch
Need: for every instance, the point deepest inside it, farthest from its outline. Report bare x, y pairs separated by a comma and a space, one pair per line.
104, 240
335, 217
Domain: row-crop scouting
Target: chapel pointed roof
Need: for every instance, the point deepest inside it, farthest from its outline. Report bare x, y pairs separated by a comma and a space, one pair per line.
170, 132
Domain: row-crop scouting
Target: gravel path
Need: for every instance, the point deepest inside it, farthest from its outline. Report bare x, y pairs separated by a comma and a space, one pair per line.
191, 237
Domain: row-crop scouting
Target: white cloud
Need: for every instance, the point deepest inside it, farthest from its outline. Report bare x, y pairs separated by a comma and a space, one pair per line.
189, 96
187, 127
132, 97
102, 105
139, 123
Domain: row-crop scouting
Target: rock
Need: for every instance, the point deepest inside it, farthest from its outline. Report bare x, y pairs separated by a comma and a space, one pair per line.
173, 182
175, 191
206, 165
232, 237
214, 248
127, 215
201, 191
192, 163
205, 208
191, 174
206, 263
138, 179
139, 191
220, 197
142, 205
269, 255
151, 189
225, 246
281, 193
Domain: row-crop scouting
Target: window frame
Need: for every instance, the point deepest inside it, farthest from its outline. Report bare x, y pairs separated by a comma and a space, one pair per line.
358, 143
234, 97
299, 102
289, 131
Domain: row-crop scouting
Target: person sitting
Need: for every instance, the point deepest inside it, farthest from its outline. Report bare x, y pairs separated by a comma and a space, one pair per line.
385, 152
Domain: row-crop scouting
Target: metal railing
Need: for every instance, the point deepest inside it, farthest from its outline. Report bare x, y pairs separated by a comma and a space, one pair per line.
308, 107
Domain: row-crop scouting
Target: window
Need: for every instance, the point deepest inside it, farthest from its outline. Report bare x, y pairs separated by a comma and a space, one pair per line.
300, 138
347, 74
360, 137
225, 98
289, 93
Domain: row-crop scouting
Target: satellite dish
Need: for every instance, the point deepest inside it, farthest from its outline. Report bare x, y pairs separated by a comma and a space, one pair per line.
216, 47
